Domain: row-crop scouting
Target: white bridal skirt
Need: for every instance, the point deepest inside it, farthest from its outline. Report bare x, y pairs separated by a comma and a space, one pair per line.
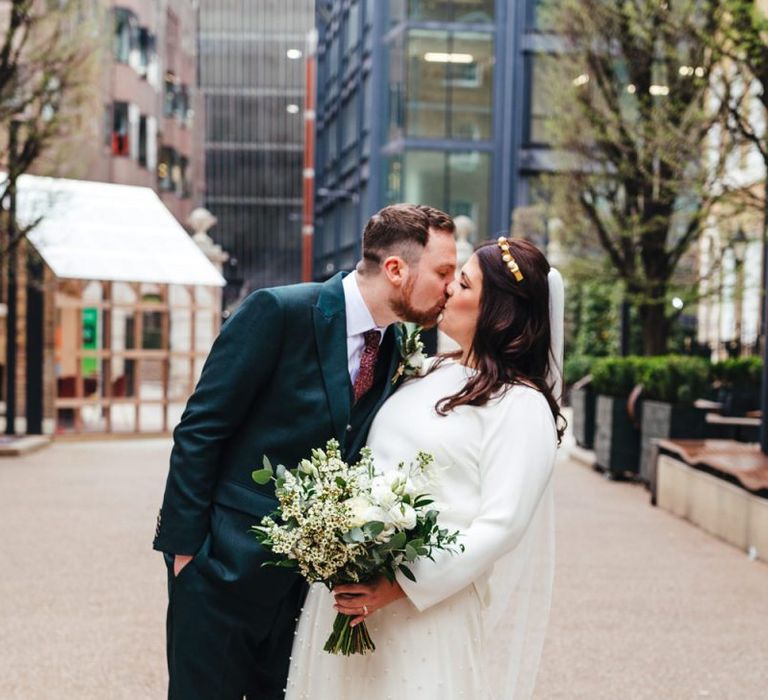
436, 654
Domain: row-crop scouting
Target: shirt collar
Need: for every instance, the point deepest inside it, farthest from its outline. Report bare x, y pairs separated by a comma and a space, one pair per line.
359, 318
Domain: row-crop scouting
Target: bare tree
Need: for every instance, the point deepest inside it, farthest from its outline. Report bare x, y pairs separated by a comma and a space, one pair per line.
633, 116
48, 55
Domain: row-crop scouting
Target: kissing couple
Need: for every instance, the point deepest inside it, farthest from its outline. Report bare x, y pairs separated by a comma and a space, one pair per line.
298, 365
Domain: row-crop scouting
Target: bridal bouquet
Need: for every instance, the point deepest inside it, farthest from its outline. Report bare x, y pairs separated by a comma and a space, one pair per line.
340, 523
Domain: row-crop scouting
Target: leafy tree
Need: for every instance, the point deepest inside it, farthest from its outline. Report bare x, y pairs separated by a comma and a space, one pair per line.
631, 119
741, 44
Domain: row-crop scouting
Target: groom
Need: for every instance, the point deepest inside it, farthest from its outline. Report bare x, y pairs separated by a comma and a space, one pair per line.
292, 368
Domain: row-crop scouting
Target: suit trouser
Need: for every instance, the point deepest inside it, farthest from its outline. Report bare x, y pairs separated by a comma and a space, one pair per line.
223, 648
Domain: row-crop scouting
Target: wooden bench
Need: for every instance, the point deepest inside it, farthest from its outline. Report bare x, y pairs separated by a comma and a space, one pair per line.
719, 485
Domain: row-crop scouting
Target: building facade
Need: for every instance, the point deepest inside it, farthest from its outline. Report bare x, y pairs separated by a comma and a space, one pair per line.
138, 124
252, 82
430, 102
149, 130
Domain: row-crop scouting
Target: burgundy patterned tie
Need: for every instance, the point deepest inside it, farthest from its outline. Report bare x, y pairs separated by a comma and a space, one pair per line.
364, 379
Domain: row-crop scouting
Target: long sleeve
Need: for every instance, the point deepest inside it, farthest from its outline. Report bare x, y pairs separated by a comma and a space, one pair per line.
515, 465
241, 361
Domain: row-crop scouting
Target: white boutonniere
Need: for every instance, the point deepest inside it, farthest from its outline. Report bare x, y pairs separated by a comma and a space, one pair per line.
411, 350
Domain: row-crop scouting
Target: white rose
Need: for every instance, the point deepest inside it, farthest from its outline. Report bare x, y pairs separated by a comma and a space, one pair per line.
358, 507
403, 517
395, 480
384, 497
376, 514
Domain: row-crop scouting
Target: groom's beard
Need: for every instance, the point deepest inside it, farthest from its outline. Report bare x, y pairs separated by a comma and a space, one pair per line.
405, 310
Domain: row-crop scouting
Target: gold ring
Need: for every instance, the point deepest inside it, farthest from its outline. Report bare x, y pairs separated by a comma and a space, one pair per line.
365, 610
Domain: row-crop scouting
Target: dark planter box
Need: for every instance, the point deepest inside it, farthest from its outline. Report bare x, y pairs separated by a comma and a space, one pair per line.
736, 402
583, 403
617, 441
666, 420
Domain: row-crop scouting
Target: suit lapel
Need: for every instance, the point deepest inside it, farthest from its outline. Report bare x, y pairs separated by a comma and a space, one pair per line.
329, 316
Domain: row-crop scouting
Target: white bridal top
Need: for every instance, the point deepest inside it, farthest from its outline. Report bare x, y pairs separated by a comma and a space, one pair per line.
472, 625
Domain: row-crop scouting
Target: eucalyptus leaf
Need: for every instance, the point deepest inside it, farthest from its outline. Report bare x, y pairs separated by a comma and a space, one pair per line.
356, 535
266, 463
410, 553
397, 541
262, 476
373, 529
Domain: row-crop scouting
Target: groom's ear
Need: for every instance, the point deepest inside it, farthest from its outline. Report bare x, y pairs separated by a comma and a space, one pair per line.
395, 269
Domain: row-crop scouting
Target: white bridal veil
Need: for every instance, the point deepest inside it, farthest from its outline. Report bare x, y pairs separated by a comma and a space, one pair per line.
521, 583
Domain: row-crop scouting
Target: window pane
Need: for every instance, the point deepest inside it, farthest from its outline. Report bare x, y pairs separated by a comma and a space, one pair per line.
120, 129
469, 188
353, 26
394, 179
471, 85
350, 129
143, 141
254, 16
430, 9
474, 11
152, 330
270, 173
467, 11
428, 54
245, 119
538, 99
250, 64
396, 88
151, 386
424, 178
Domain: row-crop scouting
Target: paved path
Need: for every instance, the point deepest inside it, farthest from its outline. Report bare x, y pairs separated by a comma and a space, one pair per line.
645, 606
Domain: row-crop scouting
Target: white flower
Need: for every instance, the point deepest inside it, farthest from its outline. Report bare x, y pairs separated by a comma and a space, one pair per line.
358, 506
417, 360
403, 517
307, 467
384, 497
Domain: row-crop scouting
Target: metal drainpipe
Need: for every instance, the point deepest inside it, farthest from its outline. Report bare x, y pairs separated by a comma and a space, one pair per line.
308, 219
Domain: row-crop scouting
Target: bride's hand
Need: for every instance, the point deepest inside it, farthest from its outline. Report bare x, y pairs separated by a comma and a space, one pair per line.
361, 599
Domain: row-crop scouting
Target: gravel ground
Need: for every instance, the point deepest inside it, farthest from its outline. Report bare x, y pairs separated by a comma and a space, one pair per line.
645, 605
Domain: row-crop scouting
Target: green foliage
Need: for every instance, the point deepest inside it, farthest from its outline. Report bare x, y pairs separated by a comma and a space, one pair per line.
671, 378
738, 373
635, 128
616, 376
675, 378
576, 367
592, 312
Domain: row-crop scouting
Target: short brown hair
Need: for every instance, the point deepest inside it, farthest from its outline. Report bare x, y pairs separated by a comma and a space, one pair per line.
402, 229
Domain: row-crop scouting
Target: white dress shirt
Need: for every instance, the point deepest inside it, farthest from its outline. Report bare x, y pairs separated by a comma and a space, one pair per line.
359, 320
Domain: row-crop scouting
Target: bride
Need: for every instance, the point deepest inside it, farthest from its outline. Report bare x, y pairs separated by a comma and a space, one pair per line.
471, 626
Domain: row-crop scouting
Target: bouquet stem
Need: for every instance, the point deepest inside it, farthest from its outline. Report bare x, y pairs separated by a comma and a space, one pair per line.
348, 640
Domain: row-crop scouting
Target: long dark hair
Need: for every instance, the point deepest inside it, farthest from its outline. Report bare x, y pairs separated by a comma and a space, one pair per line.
512, 339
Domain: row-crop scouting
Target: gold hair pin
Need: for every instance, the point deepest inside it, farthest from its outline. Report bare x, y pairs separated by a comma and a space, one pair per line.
506, 256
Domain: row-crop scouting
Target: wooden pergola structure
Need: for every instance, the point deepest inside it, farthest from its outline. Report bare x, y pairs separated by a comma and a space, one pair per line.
132, 305
142, 347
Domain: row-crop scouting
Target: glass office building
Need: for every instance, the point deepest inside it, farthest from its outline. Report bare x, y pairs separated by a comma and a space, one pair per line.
430, 101
252, 81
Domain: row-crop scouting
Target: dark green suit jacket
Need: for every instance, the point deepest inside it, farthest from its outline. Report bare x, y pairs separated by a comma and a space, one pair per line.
276, 383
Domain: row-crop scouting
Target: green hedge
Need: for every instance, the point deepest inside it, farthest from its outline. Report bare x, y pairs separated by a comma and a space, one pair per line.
576, 367
675, 378
670, 378
616, 376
